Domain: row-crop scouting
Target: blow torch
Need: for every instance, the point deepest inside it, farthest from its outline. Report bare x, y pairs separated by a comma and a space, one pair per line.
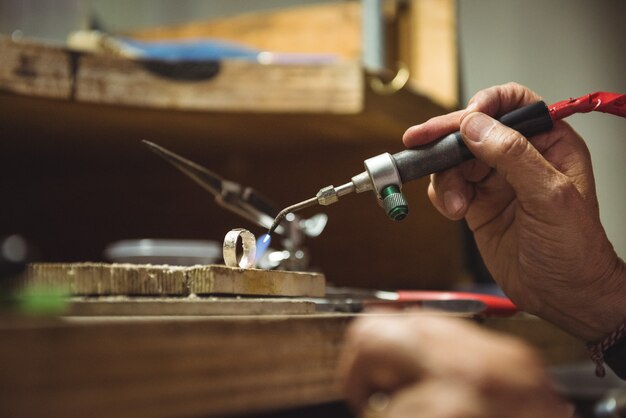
386, 173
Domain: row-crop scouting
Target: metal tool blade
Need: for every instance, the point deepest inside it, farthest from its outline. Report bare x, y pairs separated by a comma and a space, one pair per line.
201, 175
245, 202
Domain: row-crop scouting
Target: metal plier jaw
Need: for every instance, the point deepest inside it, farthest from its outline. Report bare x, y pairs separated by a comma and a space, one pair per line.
251, 205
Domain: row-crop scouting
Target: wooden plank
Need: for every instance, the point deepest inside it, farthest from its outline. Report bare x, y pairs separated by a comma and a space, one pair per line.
146, 279
35, 69
183, 367
109, 279
189, 306
228, 280
42, 70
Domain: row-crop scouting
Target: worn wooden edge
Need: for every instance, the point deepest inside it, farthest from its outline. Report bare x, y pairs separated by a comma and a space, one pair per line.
146, 279
187, 366
51, 71
184, 306
108, 279
227, 280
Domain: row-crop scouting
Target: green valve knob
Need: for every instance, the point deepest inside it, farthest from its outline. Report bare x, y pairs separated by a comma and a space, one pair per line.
394, 203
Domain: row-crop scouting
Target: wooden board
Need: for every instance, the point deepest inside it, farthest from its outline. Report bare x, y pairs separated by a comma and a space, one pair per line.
187, 367
185, 306
49, 71
146, 279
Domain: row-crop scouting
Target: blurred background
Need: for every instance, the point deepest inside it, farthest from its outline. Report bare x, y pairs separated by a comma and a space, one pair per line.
74, 176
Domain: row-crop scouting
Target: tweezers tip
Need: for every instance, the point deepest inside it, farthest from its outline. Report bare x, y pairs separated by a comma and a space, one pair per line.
151, 145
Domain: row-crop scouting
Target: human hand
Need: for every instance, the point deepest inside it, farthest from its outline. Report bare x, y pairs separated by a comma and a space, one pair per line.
534, 213
431, 366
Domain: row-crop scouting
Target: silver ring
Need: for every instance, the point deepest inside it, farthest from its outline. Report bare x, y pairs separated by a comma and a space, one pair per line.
248, 259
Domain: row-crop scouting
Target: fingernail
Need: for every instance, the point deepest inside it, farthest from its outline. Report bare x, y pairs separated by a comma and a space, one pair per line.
453, 202
476, 126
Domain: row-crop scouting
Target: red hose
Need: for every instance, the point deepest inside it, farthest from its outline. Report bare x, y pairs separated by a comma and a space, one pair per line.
600, 101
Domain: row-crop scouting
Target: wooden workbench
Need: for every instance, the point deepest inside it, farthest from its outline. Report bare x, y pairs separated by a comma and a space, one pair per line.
191, 366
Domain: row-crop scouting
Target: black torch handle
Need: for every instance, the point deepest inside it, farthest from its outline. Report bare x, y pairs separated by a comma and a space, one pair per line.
450, 150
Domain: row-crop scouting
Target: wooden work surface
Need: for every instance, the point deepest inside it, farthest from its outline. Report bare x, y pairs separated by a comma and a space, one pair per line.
194, 366
147, 279
186, 306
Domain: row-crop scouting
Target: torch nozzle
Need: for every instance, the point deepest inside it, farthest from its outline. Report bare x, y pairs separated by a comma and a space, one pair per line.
326, 196
290, 209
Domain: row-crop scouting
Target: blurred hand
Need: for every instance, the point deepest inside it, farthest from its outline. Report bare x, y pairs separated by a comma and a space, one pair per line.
435, 367
534, 213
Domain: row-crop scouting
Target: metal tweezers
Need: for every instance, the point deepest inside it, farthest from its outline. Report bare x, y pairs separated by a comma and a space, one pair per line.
244, 201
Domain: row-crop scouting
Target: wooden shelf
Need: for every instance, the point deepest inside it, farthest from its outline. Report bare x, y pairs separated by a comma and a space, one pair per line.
243, 104
47, 71
235, 103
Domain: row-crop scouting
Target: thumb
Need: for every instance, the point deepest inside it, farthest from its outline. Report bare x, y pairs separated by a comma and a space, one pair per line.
509, 152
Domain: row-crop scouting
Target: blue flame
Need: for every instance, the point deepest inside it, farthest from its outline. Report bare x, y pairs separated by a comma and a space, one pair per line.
261, 245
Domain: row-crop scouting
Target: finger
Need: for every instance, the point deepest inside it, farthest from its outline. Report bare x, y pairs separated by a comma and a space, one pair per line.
491, 197
510, 153
493, 101
453, 192
484, 194
498, 100
435, 399
450, 193
366, 365
475, 171
569, 154
432, 129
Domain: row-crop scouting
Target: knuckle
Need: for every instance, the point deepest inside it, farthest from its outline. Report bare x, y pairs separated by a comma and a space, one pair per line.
365, 337
513, 85
357, 331
563, 192
512, 143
